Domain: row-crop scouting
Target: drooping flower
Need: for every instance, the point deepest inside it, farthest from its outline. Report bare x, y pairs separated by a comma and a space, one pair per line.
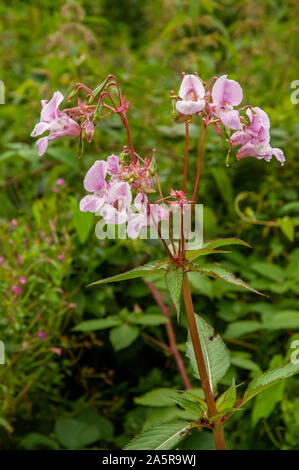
226, 94
192, 95
255, 139
57, 122
95, 182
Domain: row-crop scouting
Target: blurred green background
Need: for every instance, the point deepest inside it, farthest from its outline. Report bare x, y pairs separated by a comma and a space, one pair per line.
64, 389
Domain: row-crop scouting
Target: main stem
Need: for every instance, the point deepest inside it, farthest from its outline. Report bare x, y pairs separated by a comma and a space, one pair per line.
205, 381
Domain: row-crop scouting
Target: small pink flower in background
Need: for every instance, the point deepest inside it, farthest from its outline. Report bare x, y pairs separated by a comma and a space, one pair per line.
2, 259
11, 242
226, 94
54, 189
72, 305
60, 257
255, 139
19, 258
57, 122
22, 280
13, 223
60, 181
42, 234
16, 289
41, 335
57, 351
192, 95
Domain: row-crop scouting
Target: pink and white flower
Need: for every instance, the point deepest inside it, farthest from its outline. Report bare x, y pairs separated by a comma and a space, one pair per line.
57, 122
226, 94
192, 95
255, 139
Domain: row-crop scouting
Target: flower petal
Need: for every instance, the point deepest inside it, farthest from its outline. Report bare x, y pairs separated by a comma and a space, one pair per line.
95, 177
42, 145
226, 91
278, 154
190, 107
230, 119
91, 203
40, 128
191, 83
50, 110
113, 164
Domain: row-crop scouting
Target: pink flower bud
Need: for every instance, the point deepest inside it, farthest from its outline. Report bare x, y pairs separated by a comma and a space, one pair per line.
60, 181
22, 280
41, 335
61, 257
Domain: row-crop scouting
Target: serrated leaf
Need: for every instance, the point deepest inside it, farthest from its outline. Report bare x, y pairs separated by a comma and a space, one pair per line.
220, 272
185, 401
122, 336
209, 247
156, 398
141, 271
98, 324
174, 282
227, 399
163, 437
217, 357
269, 378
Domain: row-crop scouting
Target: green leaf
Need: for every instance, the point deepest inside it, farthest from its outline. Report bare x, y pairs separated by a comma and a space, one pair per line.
239, 328
64, 155
185, 401
227, 399
148, 319
156, 398
220, 272
209, 247
243, 362
168, 414
269, 270
83, 221
217, 357
37, 441
99, 324
122, 336
225, 186
269, 378
287, 227
141, 271
163, 437
174, 282
73, 434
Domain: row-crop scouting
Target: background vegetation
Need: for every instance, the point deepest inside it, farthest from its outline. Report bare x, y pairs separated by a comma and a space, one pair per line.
65, 389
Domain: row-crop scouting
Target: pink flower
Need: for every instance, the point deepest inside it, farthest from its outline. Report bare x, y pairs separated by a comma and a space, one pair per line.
2, 259
22, 280
57, 122
95, 182
60, 181
16, 289
60, 257
226, 94
19, 258
54, 189
255, 139
57, 351
13, 223
41, 335
192, 95
118, 201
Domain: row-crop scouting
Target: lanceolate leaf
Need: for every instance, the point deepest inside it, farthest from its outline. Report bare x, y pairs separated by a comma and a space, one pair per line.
269, 378
98, 324
163, 437
210, 246
185, 401
216, 354
174, 281
141, 271
220, 272
227, 399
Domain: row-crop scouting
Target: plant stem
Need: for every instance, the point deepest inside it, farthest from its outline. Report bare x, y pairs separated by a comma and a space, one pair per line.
205, 380
170, 333
186, 155
126, 124
198, 167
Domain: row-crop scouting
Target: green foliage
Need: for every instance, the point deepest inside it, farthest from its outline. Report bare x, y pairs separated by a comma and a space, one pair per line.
163, 437
216, 355
174, 282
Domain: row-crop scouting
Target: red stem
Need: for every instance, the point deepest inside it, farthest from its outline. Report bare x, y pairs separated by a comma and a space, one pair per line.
186, 156
198, 167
